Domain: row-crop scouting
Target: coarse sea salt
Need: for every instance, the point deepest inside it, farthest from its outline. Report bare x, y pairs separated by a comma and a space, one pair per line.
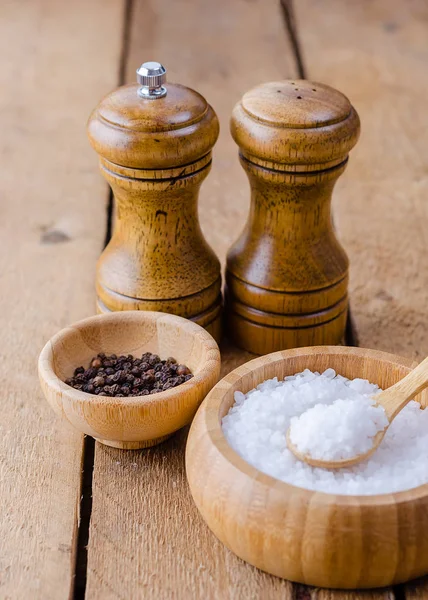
256, 427
333, 432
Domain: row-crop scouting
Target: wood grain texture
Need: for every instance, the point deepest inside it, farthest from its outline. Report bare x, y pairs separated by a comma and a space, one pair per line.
395, 398
140, 421
287, 274
147, 537
155, 154
51, 231
381, 207
230, 47
333, 541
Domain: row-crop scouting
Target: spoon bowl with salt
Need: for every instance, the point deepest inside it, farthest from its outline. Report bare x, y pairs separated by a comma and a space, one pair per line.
376, 415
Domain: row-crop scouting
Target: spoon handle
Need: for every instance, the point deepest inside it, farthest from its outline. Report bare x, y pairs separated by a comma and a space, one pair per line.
397, 396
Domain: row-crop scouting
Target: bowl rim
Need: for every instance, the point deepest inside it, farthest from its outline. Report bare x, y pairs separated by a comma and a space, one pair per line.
211, 406
51, 379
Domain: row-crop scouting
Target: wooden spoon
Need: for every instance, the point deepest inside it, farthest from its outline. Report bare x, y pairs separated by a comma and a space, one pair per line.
393, 400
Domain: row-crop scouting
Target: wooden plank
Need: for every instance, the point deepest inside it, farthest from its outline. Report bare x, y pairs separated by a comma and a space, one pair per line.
376, 52
147, 539
57, 61
146, 536
221, 49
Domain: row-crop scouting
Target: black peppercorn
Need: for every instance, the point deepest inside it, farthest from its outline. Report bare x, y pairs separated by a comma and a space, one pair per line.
153, 359
125, 376
116, 377
99, 381
96, 363
90, 373
182, 370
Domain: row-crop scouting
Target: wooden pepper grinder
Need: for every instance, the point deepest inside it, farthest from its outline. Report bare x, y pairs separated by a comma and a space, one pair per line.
154, 143
287, 275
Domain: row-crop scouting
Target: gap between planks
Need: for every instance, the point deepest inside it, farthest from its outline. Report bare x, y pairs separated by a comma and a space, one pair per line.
146, 537
89, 443
290, 25
50, 242
375, 53
104, 462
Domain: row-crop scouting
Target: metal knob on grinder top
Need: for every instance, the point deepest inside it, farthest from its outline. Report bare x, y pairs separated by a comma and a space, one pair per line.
287, 274
154, 143
151, 76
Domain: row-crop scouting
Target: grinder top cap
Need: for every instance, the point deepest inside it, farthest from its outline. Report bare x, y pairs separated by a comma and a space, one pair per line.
150, 125
301, 123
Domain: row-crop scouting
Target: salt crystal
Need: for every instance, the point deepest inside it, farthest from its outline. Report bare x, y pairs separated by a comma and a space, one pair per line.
340, 430
256, 426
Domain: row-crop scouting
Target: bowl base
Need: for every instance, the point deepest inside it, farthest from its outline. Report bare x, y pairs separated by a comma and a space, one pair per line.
134, 445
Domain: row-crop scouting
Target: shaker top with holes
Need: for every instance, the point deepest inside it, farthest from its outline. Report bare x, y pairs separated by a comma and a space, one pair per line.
287, 274
300, 123
154, 141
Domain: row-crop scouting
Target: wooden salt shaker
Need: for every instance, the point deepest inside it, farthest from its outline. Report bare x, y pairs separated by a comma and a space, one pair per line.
154, 142
287, 275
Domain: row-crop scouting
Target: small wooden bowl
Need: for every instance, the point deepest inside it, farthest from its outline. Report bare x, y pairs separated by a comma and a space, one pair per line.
135, 422
310, 537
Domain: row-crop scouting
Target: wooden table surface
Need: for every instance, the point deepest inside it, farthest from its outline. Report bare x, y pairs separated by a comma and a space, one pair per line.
79, 518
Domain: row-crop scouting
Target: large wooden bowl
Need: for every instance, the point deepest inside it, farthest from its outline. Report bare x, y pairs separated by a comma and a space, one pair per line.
310, 537
135, 422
